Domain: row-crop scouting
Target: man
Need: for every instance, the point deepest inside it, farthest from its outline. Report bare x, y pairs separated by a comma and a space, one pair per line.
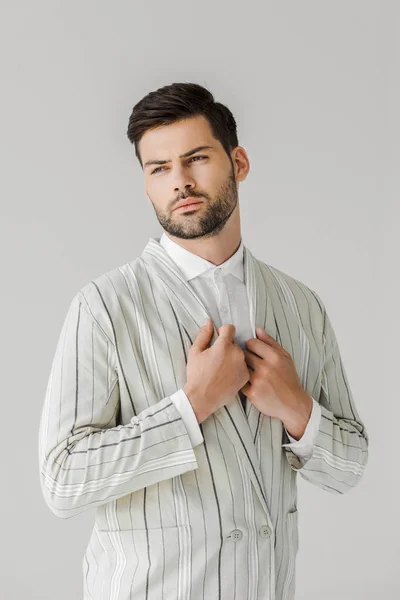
187, 434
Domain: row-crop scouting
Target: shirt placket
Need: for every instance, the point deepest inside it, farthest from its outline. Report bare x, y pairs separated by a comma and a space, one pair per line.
224, 308
223, 300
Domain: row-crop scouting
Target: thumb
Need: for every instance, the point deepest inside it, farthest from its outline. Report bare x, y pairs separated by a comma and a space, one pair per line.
203, 336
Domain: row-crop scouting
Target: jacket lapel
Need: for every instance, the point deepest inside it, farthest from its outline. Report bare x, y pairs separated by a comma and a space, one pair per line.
243, 431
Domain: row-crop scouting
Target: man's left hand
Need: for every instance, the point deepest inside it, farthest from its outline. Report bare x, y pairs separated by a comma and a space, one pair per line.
274, 387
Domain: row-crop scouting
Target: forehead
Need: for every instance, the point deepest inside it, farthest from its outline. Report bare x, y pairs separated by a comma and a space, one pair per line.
163, 142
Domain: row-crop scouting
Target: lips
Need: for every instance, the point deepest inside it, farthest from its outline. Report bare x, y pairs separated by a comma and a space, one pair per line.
188, 202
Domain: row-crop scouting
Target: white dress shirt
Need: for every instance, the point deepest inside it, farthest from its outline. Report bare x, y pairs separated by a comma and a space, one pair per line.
223, 292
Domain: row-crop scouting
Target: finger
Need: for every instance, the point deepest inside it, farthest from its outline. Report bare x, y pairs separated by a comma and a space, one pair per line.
252, 359
259, 347
268, 339
227, 331
203, 336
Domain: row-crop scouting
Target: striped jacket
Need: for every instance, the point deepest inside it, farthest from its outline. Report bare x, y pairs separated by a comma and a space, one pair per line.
218, 521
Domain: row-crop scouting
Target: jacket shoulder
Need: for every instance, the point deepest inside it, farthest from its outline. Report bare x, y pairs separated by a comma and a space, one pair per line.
292, 289
101, 296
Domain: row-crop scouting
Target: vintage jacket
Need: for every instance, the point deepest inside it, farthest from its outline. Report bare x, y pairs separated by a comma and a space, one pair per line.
214, 522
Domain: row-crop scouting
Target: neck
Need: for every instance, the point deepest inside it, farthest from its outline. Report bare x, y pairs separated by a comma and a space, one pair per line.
217, 248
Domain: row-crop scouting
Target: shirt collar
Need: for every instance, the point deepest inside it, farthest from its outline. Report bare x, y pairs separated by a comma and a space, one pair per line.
193, 265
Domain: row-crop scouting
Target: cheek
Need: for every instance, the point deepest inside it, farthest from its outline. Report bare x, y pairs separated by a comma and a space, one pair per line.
205, 186
213, 181
156, 193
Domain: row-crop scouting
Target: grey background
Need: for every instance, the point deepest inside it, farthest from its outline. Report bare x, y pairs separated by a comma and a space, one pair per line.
314, 88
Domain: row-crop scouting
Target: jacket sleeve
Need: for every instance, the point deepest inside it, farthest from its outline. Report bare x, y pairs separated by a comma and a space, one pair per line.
85, 458
340, 452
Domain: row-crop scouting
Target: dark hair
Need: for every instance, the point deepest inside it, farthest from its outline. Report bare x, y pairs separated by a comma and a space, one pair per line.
178, 101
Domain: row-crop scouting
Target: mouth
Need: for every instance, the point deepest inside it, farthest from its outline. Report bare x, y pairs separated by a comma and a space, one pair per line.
189, 206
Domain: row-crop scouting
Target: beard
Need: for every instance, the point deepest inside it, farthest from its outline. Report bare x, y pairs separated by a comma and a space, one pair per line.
206, 221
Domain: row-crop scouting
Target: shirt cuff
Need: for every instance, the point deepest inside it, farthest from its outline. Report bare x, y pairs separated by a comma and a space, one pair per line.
303, 447
183, 406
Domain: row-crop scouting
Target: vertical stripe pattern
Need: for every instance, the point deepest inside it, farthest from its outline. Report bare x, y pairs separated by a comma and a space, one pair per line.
218, 521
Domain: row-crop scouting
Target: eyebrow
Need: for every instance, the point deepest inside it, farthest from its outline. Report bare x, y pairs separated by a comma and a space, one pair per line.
185, 155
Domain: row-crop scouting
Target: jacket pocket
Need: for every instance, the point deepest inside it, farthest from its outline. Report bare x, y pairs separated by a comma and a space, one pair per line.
292, 521
139, 559
288, 575
138, 549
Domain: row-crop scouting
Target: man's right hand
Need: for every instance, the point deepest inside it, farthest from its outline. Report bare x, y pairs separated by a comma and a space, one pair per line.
214, 374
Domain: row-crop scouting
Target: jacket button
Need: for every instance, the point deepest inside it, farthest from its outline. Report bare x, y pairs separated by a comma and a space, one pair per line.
265, 531
235, 535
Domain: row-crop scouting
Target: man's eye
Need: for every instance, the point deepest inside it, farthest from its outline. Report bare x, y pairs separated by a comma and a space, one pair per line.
193, 157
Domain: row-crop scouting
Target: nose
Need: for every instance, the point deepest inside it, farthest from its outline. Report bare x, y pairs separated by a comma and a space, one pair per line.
183, 182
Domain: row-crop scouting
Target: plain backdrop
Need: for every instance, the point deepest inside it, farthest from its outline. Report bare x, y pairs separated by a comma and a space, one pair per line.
314, 89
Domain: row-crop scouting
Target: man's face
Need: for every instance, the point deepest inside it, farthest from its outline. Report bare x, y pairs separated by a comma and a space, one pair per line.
207, 175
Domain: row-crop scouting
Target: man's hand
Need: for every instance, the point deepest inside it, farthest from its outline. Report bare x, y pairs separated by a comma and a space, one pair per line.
274, 386
215, 373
